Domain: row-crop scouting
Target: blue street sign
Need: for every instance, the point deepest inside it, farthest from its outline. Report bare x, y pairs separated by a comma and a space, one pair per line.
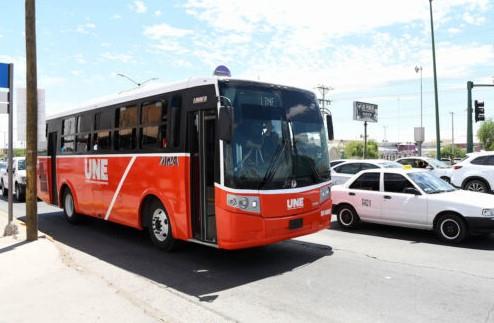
4, 75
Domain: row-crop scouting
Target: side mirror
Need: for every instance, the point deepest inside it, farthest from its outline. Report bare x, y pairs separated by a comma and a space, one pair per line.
411, 190
225, 124
429, 167
329, 126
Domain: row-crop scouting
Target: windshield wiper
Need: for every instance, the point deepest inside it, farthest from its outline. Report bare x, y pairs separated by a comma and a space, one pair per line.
273, 165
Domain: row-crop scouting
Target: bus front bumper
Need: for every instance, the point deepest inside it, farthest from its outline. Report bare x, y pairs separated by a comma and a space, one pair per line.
240, 230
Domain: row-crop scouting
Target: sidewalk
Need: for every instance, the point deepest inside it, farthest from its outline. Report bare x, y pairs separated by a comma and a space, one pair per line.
47, 281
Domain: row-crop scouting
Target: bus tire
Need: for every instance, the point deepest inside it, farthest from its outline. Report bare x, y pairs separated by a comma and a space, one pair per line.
451, 228
347, 217
159, 226
69, 208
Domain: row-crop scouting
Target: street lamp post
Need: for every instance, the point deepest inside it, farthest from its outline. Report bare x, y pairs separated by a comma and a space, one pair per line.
438, 136
418, 68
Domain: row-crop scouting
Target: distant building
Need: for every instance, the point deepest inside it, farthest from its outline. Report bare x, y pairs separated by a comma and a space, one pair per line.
20, 117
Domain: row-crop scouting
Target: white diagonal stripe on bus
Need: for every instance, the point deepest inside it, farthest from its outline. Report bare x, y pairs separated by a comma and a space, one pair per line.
119, 187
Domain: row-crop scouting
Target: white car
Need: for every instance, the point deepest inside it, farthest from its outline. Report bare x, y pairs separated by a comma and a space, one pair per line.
19, 178
436, 167
415, 199
475, 173
344, 171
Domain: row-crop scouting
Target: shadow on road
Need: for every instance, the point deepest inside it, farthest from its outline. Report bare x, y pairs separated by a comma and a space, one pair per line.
416, 236
194, 269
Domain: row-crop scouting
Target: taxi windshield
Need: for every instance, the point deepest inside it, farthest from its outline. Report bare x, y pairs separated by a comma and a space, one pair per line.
429, 183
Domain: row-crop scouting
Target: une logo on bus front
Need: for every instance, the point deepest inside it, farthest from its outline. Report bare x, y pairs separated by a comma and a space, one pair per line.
96, 169
297, 203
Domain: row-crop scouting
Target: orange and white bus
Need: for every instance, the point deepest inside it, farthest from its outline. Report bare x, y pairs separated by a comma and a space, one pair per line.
218, 161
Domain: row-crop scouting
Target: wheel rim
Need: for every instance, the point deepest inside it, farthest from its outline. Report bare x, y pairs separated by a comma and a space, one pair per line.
160, 224
346, 217
450, 229
69, 205
476, 187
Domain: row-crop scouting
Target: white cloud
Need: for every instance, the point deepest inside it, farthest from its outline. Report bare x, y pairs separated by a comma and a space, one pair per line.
124, 58
85, 28
157, 13
116, 17
164, 30
79, 58
139, 7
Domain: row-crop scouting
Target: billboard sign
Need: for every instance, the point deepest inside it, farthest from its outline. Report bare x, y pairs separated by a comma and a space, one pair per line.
4, 75
363, 111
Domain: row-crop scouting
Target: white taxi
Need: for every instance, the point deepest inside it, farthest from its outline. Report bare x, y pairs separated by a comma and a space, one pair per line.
412, 198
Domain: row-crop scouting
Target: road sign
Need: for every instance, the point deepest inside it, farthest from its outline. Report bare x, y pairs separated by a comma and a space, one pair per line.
363, 111
4, 75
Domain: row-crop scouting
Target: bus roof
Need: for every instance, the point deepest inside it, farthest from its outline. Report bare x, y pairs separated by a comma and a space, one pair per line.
147, 91
135, 94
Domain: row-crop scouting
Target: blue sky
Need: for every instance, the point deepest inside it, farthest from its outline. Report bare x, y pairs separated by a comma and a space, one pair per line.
365, 50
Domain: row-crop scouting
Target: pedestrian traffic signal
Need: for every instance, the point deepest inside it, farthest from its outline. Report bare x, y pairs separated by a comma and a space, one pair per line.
479, 111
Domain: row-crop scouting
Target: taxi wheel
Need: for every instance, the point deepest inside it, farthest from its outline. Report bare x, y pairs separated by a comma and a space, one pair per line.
159, 226
69, 208
451, 228
347, 217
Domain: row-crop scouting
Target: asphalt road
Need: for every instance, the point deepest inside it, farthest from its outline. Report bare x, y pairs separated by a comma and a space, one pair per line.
376, 273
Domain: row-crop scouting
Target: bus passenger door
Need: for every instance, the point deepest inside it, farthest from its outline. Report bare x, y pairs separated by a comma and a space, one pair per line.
52, 171
202, 144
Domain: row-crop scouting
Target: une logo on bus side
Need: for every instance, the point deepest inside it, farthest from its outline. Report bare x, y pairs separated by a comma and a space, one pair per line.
96, 169
297, 203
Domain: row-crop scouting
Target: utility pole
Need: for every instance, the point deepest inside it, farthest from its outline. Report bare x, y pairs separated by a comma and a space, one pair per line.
324, 89
31, 122
452, 134
438, 136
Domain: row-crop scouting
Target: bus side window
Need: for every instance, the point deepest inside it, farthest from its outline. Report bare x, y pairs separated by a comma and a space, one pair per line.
126, 124
68, 135
102, 137
154, 122
176, 107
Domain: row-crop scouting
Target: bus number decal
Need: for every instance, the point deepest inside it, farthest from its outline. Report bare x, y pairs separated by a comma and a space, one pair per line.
169, 161
96, 169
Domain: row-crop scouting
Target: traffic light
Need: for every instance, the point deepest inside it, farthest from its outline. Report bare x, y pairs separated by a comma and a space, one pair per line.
479, 111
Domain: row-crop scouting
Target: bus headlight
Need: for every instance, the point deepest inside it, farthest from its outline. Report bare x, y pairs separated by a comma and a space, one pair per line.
324, 193
488, 212
246, 203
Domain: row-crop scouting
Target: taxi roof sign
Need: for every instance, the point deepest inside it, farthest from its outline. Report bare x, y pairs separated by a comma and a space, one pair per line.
407, 167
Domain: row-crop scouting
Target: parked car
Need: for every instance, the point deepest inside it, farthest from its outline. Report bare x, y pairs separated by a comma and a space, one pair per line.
335, 162
19, 179
436, 167
415, 199
342, 172
3, 167
475, 173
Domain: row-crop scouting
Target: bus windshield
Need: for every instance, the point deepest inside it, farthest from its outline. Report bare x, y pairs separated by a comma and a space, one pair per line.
279, 140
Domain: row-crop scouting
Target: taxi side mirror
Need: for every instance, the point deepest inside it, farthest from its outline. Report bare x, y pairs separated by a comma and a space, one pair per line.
411, 190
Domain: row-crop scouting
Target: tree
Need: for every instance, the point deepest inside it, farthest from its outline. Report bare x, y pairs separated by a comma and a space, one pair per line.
446, 151
356, 149
486, 134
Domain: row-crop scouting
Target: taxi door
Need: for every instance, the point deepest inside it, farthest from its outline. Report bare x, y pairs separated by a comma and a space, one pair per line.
365, 195
402, 208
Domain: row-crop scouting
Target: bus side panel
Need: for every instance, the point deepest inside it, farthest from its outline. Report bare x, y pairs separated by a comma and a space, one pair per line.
86, 191
43, 184
165, 177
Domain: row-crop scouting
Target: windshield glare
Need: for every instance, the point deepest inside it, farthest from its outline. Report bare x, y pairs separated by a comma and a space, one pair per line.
390, 164
429, 183
279, 139
437, 163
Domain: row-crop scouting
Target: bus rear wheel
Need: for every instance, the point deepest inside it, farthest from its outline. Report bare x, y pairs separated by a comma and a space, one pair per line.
159, 226
69, 208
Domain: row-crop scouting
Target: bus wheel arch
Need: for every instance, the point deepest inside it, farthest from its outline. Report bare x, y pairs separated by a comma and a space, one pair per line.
155, 217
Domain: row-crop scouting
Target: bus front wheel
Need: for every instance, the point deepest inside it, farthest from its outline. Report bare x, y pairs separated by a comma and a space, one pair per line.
159, 226
69, 208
